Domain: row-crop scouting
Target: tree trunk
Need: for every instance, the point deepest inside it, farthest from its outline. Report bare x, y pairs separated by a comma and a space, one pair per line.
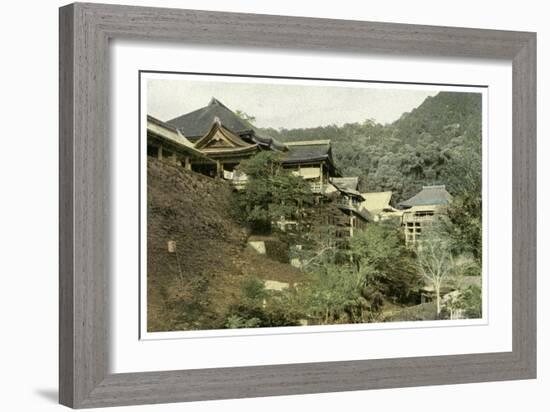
438, 300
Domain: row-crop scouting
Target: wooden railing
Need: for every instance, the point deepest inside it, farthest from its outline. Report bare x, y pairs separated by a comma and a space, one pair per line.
316, 187
412, 218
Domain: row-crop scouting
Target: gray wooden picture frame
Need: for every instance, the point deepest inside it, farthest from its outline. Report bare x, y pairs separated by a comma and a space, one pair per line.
85, 31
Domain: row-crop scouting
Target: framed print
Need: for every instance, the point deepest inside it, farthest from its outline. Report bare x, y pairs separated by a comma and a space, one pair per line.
257, 205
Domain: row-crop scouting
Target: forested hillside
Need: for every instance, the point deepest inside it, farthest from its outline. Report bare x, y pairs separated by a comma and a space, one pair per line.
420, 148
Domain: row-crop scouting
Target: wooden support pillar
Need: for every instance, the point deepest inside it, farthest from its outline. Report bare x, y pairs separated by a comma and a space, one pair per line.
160, 153
187, 163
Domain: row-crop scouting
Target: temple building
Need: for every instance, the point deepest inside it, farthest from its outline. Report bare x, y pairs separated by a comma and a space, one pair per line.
422, 209
312, 160
224, 140
223, 146
223, 136
213, 141
350, 202
339, 207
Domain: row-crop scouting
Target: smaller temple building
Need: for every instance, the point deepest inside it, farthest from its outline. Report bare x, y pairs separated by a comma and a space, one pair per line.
422, 209
312, 160
349, 201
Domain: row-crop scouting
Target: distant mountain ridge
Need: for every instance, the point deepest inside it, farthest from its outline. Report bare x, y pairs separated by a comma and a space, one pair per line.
458, 113
405, 155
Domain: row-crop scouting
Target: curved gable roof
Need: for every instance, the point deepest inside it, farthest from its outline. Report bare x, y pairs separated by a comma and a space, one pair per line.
218, 131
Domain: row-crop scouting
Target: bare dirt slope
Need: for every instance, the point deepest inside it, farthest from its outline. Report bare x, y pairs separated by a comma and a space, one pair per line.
192, 287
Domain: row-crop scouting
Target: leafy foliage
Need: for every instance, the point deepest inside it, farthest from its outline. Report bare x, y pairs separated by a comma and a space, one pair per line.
246, 117
471, 301
272, 193
385, 265
259, 307
376, 268
464, 224
403, 156
334, 296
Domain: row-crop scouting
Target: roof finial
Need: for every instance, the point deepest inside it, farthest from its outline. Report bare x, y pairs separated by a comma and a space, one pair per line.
213, 101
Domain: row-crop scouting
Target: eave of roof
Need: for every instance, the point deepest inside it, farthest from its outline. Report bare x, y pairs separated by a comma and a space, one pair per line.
363, 213
348, 182
159, 122
308, 151
347, 185
214, 152
168, 134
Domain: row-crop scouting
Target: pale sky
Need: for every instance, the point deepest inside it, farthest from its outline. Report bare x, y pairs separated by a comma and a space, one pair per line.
285, 105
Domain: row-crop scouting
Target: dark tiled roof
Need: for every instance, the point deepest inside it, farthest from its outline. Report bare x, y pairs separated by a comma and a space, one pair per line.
312, 151
349, 183
269, 142
429, 195
196, 124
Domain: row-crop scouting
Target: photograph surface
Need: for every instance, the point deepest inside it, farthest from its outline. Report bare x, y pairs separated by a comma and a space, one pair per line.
274, 202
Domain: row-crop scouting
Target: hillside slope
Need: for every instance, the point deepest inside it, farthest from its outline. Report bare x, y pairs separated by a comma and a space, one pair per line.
444, 116
195, 284
407, 154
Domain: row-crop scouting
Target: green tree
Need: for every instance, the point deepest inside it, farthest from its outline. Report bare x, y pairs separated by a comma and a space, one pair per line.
405, 155
333, 295
384, 264
471, 302
467, 300
464, 223
259, 307
246, 117
319, 246
272, 194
